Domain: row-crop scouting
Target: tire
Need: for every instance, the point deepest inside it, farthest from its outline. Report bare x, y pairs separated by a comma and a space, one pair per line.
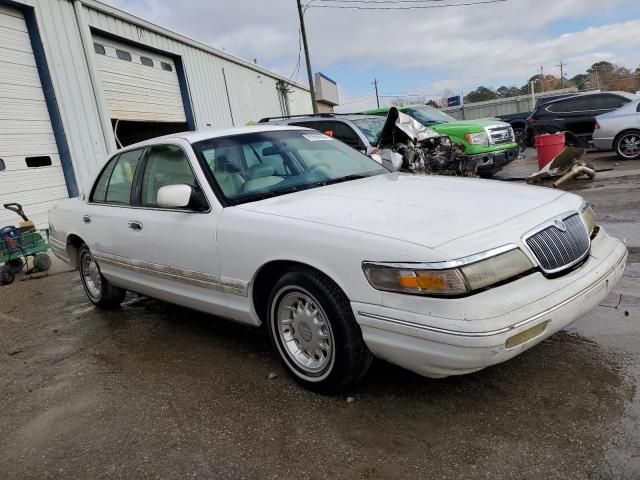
98, 289
308, 312
41, 262
15, 265
6, 275
627, 146
521, 138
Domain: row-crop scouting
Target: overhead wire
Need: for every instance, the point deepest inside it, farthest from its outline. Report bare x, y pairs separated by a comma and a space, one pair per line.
373, 5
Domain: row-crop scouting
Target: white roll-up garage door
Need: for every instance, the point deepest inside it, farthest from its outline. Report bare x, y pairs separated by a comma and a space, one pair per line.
30, 169
139, 85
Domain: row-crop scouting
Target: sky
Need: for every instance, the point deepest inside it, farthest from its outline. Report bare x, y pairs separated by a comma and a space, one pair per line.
417, 51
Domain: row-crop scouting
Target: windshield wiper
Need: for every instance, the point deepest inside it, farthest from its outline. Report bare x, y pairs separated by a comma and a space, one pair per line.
347, 178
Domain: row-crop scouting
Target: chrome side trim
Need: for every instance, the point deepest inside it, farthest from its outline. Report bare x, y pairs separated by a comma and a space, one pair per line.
59, 249
445, 265
234, 286
198, 279
500, 331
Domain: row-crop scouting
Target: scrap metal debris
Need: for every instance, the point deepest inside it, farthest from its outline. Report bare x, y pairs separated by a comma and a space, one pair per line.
568, 164
407, 145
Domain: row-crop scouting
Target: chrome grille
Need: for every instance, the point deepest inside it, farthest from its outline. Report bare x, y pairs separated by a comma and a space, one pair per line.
560, 245
500, 135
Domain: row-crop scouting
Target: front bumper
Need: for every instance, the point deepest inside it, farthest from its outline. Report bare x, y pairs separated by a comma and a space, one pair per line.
435, 347
492, 162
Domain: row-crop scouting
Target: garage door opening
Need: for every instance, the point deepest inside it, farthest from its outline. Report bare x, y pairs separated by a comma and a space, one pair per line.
128, 132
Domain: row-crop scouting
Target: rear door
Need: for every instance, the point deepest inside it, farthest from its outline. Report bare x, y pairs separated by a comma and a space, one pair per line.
106, 216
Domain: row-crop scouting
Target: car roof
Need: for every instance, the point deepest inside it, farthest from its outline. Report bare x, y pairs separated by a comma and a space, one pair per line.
628, 95
328, 116
206, 134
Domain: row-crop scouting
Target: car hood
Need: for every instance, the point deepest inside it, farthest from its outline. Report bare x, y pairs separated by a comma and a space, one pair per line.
473, 126
426, 210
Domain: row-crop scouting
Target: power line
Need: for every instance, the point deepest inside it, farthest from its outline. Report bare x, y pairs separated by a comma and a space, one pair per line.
296, 68
345, 5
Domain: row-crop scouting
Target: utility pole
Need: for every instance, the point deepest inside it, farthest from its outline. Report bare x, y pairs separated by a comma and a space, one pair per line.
375, 84
303, 32
542, 78
562, 65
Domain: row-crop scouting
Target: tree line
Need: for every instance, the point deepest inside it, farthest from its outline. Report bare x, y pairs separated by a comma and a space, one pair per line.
601, 75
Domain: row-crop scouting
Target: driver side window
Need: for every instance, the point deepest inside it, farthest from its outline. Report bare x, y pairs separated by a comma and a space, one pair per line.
166, 165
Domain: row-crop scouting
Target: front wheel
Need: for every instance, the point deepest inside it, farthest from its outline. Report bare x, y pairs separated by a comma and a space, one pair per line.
627, 146
315, 333
99, 290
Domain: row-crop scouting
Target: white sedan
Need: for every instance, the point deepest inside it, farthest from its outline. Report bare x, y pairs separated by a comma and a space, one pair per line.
340, 259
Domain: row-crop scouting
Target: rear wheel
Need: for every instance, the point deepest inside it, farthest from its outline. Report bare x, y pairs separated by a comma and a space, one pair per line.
41, 262
315, 333
627, 146
99, 290
6, 275
15, 265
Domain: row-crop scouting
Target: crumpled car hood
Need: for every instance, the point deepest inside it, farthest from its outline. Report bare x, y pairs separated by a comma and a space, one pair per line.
426, 210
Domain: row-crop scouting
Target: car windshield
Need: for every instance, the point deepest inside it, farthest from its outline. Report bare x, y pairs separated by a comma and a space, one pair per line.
371, 127
428, 115
253, 166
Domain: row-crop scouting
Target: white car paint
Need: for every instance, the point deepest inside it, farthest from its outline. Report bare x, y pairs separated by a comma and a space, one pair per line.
393, 217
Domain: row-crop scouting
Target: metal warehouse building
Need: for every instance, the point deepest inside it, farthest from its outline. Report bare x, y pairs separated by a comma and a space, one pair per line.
79, 78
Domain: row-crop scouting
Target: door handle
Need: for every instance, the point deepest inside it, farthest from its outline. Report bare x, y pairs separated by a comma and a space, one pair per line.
86, 219
135, 225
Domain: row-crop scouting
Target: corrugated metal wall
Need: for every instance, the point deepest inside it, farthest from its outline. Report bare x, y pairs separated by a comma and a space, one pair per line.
252, 92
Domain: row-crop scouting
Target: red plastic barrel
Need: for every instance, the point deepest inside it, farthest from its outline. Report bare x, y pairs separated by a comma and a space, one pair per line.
549, 146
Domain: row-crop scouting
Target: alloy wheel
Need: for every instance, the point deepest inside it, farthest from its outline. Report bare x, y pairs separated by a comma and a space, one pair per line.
629, 146
91, 275
305, 333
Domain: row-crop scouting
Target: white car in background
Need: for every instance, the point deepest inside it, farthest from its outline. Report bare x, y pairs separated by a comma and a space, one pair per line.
620, 131
339, 258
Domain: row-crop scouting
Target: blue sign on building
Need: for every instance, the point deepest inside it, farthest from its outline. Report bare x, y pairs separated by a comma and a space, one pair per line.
454, 101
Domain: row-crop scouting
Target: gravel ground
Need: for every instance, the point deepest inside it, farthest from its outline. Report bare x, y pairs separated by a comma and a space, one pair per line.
158, 391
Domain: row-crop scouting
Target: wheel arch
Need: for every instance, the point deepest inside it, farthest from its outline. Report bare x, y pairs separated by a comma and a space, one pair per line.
623, 132
268, 274
74, 242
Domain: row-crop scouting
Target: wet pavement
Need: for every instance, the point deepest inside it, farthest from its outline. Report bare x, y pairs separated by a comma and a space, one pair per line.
158, 391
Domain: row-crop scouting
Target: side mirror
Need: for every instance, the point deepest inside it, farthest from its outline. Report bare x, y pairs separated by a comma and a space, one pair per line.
174, 196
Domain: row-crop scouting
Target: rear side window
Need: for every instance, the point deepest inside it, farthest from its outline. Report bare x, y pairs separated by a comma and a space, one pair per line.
609, 102
581, 104
114, 184
166, 165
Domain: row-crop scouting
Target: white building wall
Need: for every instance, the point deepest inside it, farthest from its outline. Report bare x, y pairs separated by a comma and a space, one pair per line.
252, 89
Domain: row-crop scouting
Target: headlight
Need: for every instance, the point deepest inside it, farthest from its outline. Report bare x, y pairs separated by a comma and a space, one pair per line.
588, 217
477, 139
455, 278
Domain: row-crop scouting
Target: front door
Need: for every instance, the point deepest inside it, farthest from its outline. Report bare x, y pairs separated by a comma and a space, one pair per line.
173, 251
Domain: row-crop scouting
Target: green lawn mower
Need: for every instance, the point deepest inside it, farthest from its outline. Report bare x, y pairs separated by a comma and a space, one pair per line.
19, 243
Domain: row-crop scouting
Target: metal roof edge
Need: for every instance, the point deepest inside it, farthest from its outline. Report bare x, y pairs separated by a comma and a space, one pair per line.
122, 15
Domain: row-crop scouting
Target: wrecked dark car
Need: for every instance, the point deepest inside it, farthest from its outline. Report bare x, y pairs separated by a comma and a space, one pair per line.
407, 145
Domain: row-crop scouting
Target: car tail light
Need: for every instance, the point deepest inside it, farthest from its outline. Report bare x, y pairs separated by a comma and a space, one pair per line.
597, 125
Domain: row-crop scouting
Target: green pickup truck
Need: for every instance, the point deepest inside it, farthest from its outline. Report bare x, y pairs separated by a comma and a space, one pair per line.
490, 142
